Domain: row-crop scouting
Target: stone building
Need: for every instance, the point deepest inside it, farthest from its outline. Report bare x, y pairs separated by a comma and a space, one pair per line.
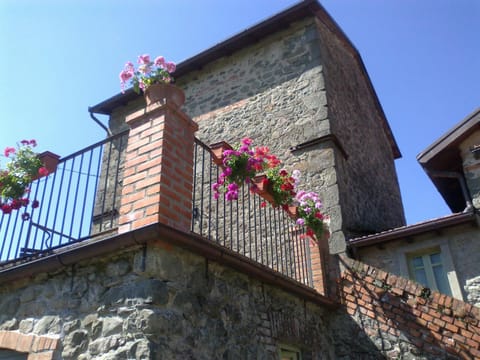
442, 253
147, 286
296, 84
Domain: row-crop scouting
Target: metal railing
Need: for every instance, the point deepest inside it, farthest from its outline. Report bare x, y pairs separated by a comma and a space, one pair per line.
78, 201
81, 199
246, 226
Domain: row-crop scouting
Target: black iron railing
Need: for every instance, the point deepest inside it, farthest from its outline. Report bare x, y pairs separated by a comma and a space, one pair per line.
78, 201
262, 233
81, 199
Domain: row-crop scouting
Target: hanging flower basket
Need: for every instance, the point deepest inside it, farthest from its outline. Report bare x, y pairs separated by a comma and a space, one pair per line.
217, 150
261, 188
49, 160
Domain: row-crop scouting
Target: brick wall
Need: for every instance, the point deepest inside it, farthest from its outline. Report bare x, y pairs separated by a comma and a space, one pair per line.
403, 318
37, 347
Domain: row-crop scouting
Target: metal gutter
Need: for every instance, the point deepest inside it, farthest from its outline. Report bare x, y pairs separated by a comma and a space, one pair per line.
192, 242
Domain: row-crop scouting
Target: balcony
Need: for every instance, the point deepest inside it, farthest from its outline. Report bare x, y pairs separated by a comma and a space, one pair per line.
83, 201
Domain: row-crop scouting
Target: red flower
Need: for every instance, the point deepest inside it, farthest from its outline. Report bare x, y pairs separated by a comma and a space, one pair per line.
6, 208
35, 204
263, 204
310, 232
43, 171
25, 216
319, 215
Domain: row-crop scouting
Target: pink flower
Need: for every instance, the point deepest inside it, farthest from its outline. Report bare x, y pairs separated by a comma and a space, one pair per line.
144, 59
125, 75
246, 141
25, 216
33, 142
170, 66
160, 61
8, 151
35, 204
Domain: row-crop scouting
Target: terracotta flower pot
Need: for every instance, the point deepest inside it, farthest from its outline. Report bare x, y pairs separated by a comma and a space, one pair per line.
164, 93
217, 150
261, 188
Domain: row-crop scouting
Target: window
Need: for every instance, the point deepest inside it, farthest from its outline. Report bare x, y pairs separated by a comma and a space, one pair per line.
289, 353
427, 268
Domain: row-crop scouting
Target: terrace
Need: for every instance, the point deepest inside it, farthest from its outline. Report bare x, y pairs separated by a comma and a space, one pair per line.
89, 199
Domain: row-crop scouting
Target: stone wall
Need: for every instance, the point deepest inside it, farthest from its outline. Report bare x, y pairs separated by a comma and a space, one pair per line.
369, 194
404, 319
460, 252
161, 302
275, 92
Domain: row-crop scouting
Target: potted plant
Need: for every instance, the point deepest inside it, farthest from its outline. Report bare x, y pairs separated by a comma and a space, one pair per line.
24, 167
277, 186
240, 165
309, 214
153, 78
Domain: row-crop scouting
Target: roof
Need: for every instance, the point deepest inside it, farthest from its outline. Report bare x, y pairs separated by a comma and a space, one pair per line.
444, 156
280, 21
414, 230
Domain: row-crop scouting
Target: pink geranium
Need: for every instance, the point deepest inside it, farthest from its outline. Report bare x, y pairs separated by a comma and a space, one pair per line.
147, 73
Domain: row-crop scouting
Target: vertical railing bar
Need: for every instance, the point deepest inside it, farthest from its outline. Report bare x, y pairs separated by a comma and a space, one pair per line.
194, 193
249, 197
288, 249
202, 191
82, 216
11, 240
278, 245
238, 228
58, 200
217, 211
273, 238
97, 176
244, 244
76, 195
67, 197
116, 185
32, 213
299, 261
255, 232
42, 204
105, 184
210, 195
291, 251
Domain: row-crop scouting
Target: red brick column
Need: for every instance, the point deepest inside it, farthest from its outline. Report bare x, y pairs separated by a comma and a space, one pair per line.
158, 174
318, 258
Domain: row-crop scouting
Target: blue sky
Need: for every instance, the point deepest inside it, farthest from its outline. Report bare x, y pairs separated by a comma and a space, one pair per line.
60, 57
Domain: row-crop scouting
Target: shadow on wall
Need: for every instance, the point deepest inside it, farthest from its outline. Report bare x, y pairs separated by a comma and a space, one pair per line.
403, 318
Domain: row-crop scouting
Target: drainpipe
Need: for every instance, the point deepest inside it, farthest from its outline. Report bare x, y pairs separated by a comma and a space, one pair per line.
109, 133
456, 175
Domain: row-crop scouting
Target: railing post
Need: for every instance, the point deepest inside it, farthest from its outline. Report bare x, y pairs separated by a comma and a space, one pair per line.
158, 174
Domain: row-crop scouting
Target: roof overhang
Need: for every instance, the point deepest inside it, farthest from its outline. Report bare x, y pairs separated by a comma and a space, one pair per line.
278, 22
444, 156
409, 231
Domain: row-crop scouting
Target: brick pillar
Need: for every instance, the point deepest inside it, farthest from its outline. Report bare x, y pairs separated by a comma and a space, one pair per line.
319, 255
158, 174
